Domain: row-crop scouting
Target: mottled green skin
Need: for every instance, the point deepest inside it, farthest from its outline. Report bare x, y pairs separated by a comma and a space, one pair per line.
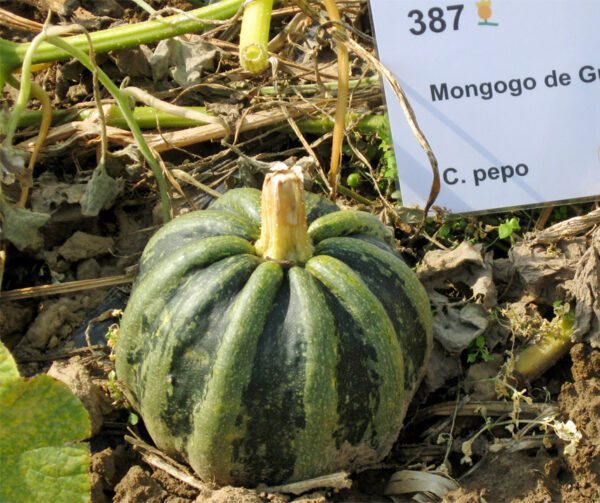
255, 373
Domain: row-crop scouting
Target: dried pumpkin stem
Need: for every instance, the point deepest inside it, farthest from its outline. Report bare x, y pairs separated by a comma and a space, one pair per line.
284, 233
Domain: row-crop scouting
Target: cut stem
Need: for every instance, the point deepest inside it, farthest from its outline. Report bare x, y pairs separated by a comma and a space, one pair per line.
533, 361
254, 35
284, 232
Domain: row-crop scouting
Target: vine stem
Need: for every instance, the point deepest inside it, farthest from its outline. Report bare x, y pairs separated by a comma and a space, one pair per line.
120, 37
24, 88
254, 35
151, 117
123, 103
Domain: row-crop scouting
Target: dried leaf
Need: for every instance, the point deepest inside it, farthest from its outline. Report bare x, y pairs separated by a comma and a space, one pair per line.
20, 226
465, 264
586, 290
49, 194
12, 164
183, 60
101, 192
455, 328
440, 370
412, 481
546, 270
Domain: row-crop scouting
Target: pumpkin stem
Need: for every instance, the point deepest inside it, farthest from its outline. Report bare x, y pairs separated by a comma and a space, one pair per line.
284, 233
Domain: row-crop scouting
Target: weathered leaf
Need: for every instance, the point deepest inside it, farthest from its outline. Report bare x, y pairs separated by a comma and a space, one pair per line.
100, 194
41, 424
184, 60
12, 163
20, 226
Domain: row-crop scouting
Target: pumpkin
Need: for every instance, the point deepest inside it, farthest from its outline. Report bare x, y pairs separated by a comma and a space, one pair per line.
273, 347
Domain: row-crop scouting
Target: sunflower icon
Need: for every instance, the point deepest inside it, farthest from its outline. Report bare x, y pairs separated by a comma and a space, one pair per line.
484, 11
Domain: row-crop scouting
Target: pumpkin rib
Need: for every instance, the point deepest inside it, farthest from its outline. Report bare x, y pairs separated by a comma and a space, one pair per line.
320, 391
152, 291
184, 336
345, 223
400, 292
192, 227
289, 406
382, 351
244, 201
216, 425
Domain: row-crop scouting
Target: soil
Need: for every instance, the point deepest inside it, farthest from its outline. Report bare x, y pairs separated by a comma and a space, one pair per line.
48, 333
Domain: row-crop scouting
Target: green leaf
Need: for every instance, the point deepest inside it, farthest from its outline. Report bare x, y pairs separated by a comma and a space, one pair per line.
506, 229
8, 367
41, 426
20, 226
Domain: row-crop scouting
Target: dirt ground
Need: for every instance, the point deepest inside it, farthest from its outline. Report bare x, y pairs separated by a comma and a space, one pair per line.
464, 422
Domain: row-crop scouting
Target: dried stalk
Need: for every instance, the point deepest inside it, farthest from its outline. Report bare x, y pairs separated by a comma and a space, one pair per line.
568, 228
19, 23
63, 288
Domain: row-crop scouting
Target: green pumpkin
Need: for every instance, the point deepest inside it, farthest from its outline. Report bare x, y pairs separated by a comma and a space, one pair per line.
279, 365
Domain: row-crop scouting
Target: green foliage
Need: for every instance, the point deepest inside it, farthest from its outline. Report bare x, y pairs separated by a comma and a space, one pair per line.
507, 228
390, 169
477, 350
41, 426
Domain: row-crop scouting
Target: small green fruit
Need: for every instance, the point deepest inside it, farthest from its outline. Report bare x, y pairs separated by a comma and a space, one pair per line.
353, 180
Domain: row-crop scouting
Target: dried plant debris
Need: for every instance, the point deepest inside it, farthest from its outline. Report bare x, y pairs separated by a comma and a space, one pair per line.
134, 62
441, 369
101, 192
412, 481
12, 162
49, 194
464, 265
21, 226
547, 270
184, 59
455, 327
586, 292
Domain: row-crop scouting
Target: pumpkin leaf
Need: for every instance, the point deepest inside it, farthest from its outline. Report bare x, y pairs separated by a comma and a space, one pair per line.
8, 367
41, 426
100, 193
21, 226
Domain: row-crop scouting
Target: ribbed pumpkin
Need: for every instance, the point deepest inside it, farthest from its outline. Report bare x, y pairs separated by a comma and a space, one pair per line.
261, 350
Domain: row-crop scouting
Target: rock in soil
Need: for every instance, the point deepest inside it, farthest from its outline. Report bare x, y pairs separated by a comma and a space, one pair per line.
81, 246
79, 381
138, 486
14, 318
56, 319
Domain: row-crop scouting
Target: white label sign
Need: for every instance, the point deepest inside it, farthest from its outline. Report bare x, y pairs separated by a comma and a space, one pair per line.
506, 91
